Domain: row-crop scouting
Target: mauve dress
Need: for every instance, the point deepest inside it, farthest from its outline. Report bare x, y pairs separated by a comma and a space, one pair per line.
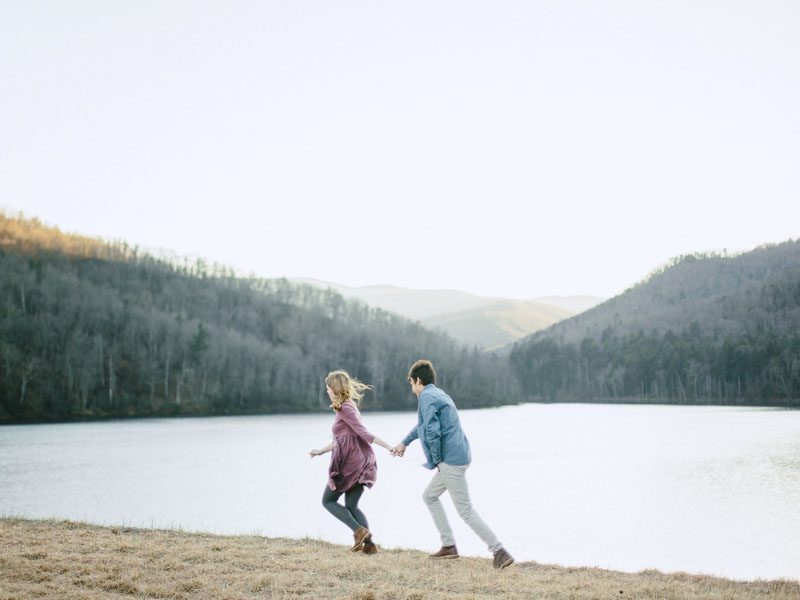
352, 459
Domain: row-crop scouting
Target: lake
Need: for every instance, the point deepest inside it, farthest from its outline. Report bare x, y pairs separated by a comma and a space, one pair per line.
712, 490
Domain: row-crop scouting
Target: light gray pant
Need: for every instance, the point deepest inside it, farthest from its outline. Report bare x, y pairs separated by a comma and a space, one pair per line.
453, 479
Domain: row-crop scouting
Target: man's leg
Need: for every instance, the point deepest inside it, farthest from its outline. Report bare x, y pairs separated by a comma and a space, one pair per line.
430, 496
454, 478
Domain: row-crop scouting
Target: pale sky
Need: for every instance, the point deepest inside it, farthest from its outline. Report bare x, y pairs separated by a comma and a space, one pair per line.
515, 149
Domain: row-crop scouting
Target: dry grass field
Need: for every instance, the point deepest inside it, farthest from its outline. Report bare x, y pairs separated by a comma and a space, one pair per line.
65, 560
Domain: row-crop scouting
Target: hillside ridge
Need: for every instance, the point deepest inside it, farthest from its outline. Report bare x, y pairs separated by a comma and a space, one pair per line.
703, 329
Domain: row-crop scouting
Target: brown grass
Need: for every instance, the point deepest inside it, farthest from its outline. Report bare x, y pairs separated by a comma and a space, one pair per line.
61, 559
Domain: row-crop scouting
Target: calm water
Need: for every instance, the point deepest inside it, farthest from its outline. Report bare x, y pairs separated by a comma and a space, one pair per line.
698, 489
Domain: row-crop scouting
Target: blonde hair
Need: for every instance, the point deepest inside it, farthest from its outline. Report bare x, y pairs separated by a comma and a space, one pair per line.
345, 388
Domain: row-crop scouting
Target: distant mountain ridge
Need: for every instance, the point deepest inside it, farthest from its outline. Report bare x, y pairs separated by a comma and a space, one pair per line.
410, 303
499, 323
724, 294
706, 328
482, 321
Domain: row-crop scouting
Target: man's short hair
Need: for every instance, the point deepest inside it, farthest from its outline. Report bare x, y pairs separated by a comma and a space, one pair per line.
422, 370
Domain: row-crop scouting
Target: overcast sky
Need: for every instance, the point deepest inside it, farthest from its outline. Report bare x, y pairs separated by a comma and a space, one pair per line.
513, 149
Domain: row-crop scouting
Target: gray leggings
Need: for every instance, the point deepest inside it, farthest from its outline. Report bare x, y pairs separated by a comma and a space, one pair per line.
349, 514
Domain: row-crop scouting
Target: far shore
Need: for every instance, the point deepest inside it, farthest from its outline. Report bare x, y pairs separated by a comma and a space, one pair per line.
102, 418
69, 560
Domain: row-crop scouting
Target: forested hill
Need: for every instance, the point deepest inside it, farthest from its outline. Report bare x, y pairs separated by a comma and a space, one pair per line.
706, 328
92, 329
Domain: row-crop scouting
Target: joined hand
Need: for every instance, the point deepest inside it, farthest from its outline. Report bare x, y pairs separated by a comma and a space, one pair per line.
398, 450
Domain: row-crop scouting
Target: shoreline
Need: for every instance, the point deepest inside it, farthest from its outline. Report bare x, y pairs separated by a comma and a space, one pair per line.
66, 559
325, 411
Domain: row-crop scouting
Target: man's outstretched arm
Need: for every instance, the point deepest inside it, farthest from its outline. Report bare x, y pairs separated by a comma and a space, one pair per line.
400, 448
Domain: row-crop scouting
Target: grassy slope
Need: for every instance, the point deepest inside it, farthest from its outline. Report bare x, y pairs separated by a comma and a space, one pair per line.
60, 559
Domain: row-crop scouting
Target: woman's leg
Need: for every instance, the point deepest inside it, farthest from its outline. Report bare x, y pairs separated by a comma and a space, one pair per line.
329, 501
351, 498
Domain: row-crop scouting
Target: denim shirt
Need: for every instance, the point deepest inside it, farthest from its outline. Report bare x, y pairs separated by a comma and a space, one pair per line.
439, 430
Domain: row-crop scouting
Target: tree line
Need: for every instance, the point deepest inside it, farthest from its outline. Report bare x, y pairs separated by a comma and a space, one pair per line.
91, 329
685, 367
102, 330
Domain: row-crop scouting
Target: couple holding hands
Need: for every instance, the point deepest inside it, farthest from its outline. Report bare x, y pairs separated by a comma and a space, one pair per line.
446, 449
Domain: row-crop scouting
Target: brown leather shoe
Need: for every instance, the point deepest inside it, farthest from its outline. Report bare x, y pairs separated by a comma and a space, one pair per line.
502, 559
370, 547
446, 552
359, 537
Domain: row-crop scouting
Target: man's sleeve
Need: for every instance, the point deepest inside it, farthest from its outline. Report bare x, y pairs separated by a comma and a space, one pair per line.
432, 431
413, 435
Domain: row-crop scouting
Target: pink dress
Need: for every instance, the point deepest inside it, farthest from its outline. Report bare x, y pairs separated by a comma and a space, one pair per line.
352, 458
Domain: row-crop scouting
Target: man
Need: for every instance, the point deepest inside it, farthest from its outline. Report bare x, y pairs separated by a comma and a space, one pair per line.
447, 450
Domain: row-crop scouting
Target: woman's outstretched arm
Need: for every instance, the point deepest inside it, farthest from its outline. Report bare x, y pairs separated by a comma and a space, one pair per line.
327, 448
380, 442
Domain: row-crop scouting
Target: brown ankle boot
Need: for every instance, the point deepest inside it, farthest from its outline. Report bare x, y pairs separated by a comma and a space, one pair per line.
359, 537
370, 547
446, 552
502, 559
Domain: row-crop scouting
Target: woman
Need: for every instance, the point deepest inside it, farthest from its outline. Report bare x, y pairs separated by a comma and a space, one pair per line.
353, 463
